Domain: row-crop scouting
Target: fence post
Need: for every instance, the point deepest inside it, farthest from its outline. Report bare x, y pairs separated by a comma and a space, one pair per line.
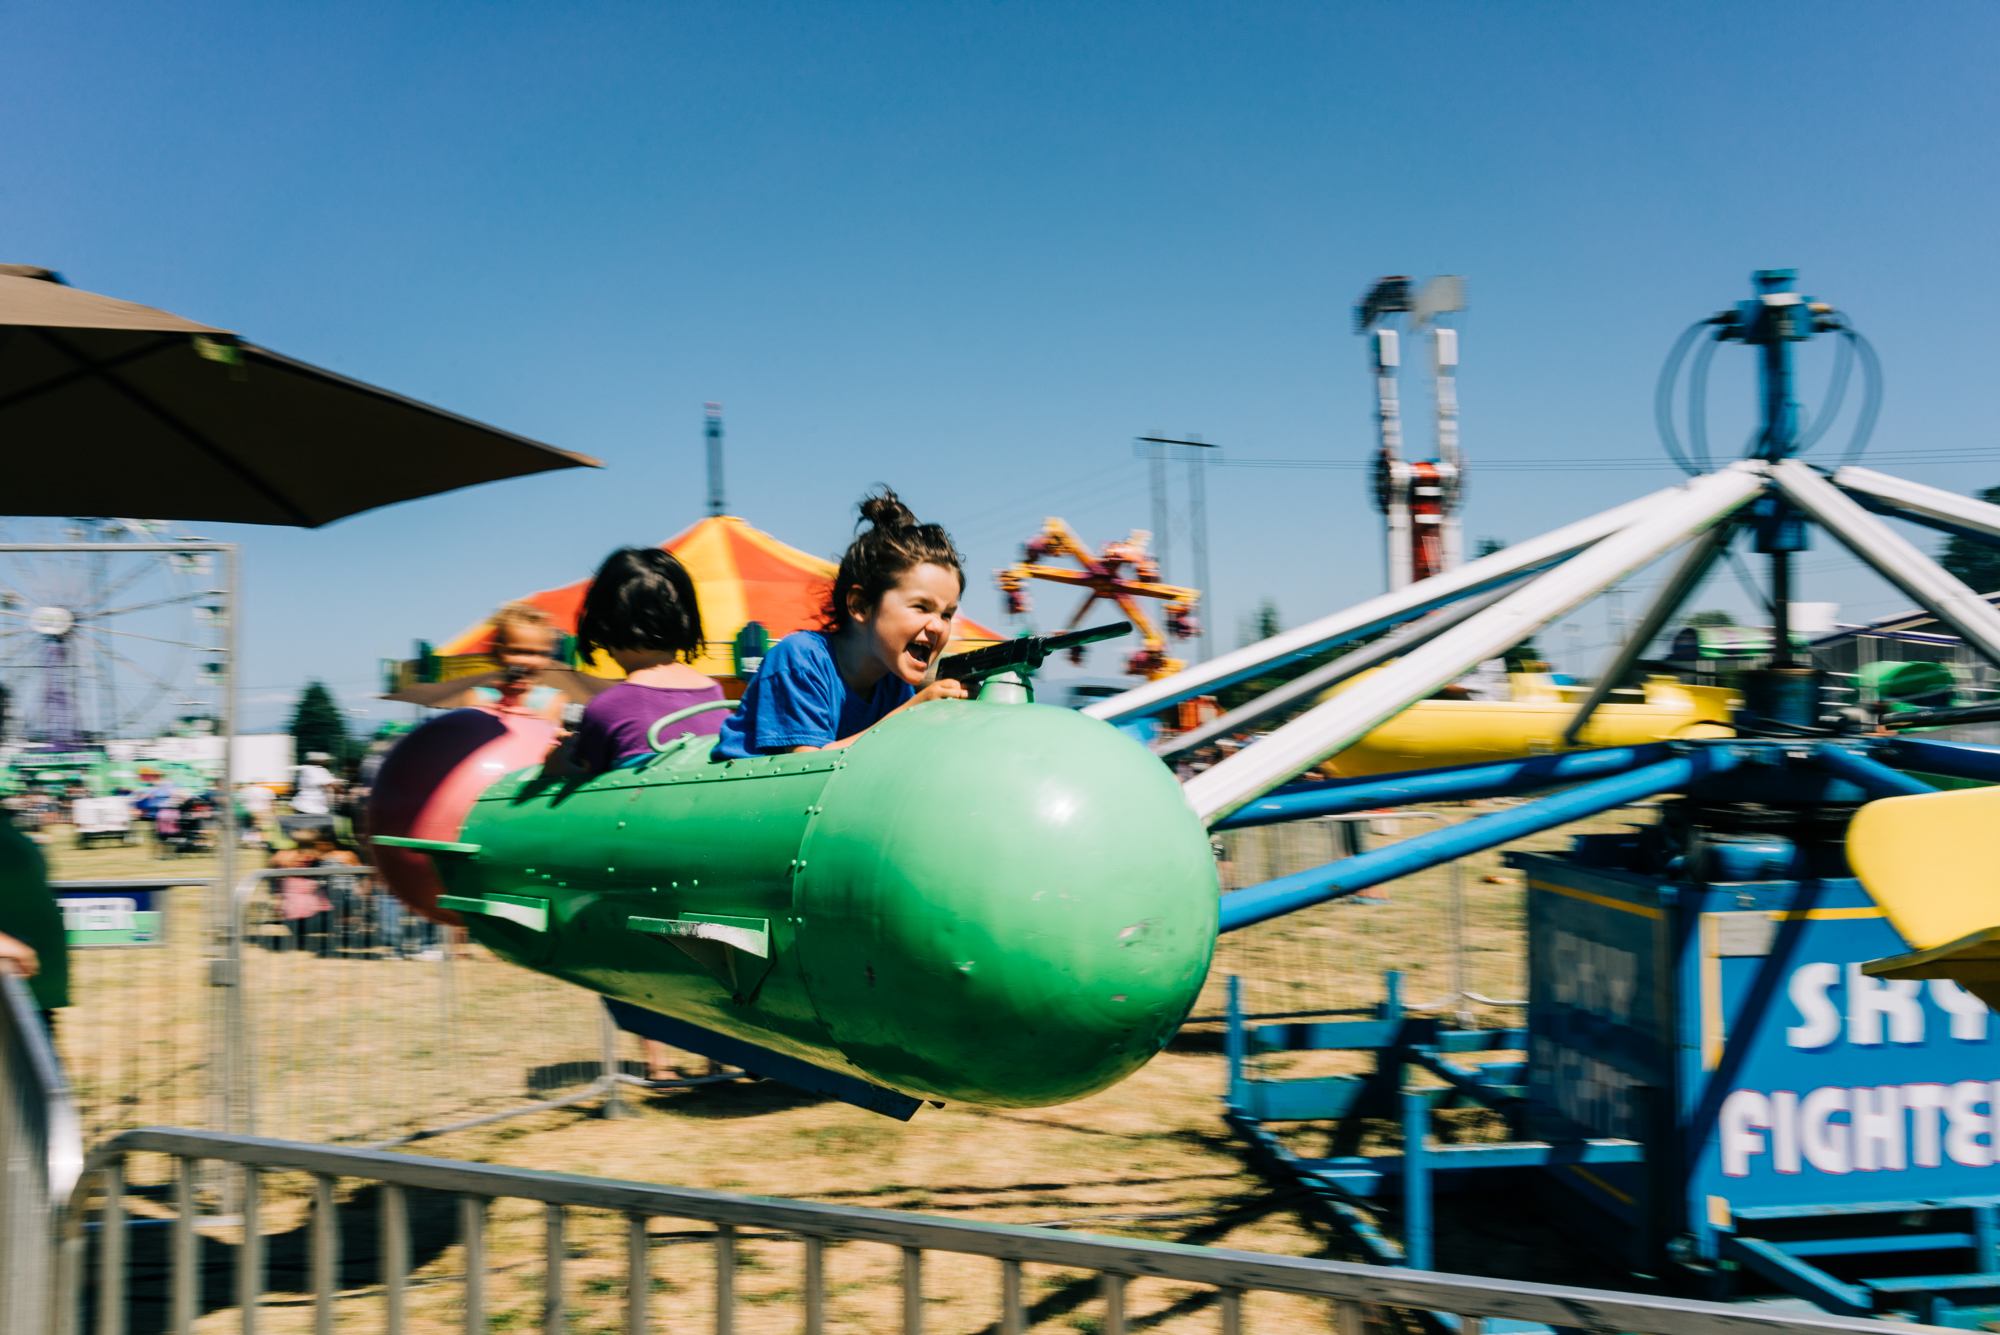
111, 1252
395, 1248
607, 1038
186, 1250
472, 1232
325, 1252
638, 1276
555, 1249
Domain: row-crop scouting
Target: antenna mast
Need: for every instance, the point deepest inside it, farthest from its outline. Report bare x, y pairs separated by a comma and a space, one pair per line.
713, 412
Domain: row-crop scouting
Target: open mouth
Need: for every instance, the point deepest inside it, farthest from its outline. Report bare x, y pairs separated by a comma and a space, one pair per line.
920, 650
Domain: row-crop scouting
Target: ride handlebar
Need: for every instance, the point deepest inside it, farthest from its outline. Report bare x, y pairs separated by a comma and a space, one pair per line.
1026, 652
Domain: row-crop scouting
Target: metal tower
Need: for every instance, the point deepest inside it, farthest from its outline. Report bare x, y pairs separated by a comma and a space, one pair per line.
1419, 499
713, 412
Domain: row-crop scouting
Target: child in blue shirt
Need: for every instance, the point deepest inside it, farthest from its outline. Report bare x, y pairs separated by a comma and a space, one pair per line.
889, 614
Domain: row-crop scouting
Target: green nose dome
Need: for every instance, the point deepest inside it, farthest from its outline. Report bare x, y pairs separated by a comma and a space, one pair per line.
1003, 904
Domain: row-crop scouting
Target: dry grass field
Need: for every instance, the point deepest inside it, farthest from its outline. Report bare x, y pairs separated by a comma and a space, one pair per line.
1149, 1158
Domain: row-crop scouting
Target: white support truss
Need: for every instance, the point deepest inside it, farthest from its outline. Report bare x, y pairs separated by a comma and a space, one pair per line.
1661, 523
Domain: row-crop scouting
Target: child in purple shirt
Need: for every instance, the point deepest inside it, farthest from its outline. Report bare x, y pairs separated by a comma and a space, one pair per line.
641, 611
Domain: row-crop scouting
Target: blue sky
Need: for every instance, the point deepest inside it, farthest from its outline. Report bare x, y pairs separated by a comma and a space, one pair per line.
973, 249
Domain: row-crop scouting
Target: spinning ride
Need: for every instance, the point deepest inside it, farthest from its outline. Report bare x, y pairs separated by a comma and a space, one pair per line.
1723, 1072
1102, 573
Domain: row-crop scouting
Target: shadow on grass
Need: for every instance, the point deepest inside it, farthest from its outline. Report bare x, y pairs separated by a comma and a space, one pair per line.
733, 1099
433, 1220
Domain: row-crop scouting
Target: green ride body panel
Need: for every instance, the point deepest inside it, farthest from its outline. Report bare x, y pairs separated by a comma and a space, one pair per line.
1000, 904
1008, 905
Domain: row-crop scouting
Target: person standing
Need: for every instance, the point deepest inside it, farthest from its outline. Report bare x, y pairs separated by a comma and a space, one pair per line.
311, 786
31, 916
302, 904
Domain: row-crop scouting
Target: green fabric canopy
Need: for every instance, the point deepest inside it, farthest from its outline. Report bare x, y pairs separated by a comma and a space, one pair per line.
111, 408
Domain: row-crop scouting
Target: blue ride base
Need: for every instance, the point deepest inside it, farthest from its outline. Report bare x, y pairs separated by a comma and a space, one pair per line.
1708, 1084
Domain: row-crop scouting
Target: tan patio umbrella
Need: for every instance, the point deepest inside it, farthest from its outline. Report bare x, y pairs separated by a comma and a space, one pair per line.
111, 408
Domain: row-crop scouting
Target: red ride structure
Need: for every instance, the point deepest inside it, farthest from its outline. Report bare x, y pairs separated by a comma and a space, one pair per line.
1103, 573
1419, 500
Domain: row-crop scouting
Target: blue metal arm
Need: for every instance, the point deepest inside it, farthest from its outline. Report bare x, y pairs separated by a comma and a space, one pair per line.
1873, 775
1961, 760
1288, 894
1458, 783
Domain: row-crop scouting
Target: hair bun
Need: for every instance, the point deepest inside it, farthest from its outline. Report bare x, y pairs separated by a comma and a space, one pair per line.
886, 510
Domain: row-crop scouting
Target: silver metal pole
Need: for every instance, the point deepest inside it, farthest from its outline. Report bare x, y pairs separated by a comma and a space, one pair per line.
1893, 557
1387, 609
1340, 722
1694, 567
1162, 520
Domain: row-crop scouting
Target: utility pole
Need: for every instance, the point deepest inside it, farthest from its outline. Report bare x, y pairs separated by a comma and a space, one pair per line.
1156, 458
1158, 455
713, 413
1197, 484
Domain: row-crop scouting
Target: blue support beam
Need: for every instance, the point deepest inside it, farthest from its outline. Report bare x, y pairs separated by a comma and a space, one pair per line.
1416, 1179
1455, 784
1288, 894
1960, 760
1872, 775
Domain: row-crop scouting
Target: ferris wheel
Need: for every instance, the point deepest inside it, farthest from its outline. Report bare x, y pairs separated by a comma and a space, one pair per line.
104, 643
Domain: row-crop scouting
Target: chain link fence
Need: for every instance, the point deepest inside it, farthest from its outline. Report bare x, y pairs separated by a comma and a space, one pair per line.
1458, 938
357, 1024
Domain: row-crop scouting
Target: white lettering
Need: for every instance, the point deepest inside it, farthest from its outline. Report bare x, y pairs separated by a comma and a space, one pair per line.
1826, 1143
1965, 1124
1926, 1104
1869, 999
1878, 1129
1968, 1013
1742, 1111
1807, 988
1785, 1131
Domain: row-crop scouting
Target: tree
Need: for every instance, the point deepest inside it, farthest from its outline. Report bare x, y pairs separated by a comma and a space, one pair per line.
1260, 624
317, 725
1714, 616
1974, 562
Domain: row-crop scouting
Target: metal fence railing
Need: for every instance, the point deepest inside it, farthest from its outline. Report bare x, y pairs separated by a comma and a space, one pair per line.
1138, 1283
41, 1153
371, 1024
361, 1023
136, 1039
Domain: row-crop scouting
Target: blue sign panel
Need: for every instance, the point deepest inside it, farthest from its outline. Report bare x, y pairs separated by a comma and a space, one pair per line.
1729, 1026
1824, 1086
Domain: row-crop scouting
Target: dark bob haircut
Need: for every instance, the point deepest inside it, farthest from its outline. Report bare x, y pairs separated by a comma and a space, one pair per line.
876, 560
641, 598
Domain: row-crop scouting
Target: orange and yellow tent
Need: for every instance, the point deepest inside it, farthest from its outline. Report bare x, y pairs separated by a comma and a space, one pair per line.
741, 575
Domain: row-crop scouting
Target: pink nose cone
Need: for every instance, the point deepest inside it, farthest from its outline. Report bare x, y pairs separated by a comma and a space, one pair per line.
430, 781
